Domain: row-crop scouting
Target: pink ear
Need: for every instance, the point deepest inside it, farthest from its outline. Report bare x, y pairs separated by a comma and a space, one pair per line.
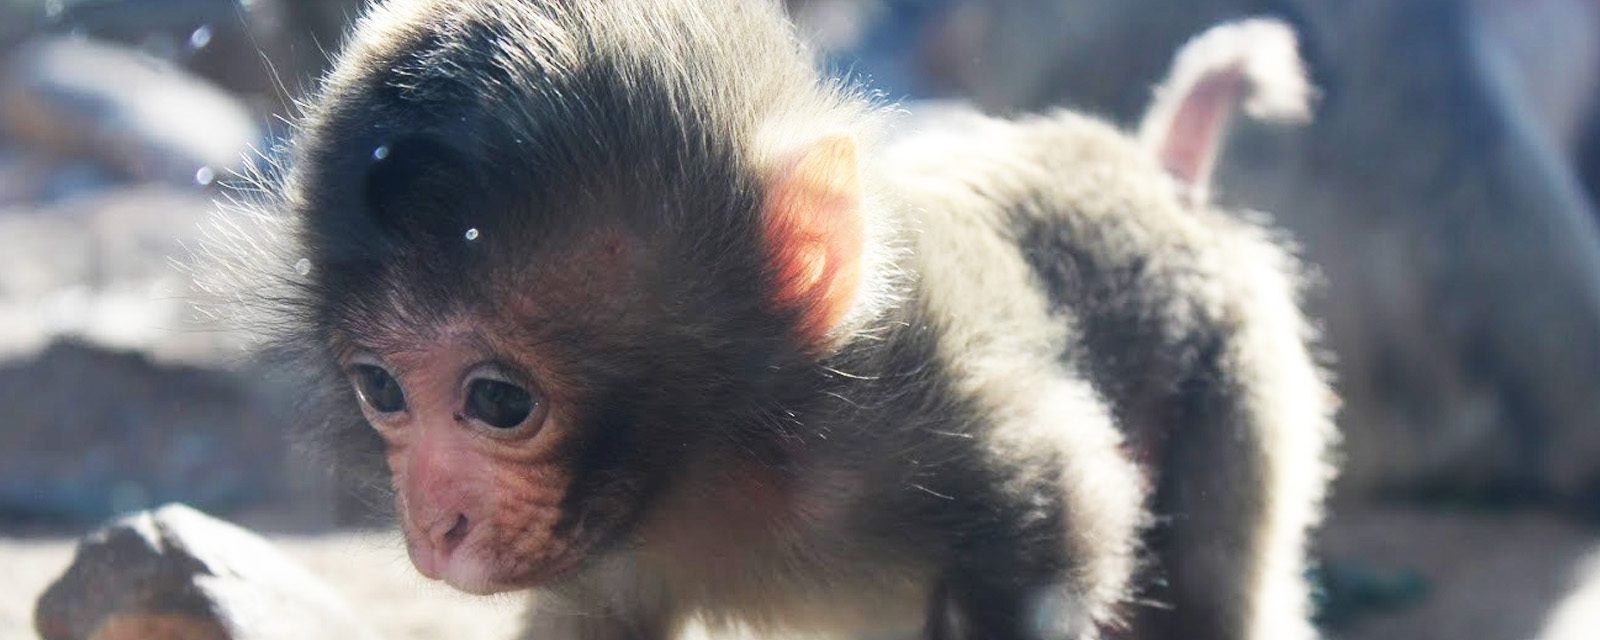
1186, 124
815, 235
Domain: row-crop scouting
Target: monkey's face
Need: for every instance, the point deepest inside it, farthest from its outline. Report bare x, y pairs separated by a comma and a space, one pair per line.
527, 422
476, 448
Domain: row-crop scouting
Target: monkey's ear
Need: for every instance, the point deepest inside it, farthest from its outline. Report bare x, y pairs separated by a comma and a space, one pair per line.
1189, 118
815, 234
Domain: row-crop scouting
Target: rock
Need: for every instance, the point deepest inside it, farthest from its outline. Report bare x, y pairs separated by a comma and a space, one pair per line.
91, 432
15, 24
178, 574
117, 394
245, 48
143, 118
367, 568
32, 179
267, 51
19, 177
105, 269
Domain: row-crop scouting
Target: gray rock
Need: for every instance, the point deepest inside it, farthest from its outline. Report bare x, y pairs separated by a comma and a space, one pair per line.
128, 111
106, 269
117, 394
267, 51
245, 48
178, 574
91, 432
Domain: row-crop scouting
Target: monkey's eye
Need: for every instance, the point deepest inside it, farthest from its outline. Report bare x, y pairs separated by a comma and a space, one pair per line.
499, 404
378, 389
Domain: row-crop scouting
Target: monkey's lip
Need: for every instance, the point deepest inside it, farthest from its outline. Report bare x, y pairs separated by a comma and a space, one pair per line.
428, 561
466, 573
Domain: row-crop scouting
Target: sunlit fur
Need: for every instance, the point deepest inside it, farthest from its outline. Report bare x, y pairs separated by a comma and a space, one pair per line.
1065, 399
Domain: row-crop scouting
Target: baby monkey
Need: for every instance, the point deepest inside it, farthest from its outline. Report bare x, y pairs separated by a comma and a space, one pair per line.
652, 319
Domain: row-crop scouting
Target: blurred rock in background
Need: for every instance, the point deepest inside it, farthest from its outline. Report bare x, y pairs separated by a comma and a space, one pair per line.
143, 119
92, 432
105, 267
117, 394
118, 120
266, 51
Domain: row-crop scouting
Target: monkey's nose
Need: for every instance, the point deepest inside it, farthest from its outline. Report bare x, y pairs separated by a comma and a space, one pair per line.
431, 550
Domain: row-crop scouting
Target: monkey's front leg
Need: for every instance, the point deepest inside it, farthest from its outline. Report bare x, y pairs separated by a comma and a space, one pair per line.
969, 606
546, 623
1047, 550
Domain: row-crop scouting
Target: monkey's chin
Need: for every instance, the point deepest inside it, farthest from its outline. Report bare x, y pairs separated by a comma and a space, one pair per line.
469, 573
462, 570
475, 583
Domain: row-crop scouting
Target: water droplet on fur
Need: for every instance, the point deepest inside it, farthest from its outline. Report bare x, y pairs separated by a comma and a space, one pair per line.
204, 175
302, 266
472, 234
200, 37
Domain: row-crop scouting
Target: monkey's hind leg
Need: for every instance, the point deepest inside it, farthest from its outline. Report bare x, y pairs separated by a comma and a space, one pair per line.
1244, 466
1245, 431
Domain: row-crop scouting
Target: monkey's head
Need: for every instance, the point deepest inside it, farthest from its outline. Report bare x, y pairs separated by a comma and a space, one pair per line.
557, 260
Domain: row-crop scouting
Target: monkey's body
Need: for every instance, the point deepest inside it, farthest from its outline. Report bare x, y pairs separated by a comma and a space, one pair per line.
1177, 321
1047, 361
997, 382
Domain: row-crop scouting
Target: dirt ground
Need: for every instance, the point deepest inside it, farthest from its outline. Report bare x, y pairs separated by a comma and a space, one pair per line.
1488, 576
1514, 576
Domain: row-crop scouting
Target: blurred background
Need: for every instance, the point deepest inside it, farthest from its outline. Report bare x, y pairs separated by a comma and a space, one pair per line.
1445, 194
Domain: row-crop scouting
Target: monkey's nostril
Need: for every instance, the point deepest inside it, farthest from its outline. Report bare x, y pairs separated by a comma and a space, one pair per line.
457, 532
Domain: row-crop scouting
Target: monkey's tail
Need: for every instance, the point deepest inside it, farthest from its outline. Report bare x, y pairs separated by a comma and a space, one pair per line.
1254, 61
